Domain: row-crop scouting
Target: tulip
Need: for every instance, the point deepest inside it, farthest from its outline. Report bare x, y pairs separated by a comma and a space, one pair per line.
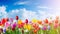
6, 19
34, 20
7, 24
19, 21
56, 21
26, 21
35, 31
0, 23
17, 17
44, 28
13, 29
56, 25
3, 21
4, 30
14, 25
35, 26
11, 19
46, 21
39, 22
27, 26
19, 26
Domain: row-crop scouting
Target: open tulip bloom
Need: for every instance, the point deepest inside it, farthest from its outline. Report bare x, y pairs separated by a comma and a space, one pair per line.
17, 26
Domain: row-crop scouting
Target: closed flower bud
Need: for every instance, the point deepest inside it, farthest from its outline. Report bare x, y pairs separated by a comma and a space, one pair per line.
17, 17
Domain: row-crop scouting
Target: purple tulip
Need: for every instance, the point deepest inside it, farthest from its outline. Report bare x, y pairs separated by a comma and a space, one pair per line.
14, 25
44, 28
11, 19
4, 30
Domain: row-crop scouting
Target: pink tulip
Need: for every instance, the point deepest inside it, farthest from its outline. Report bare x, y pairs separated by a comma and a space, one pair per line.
56, 25
11, 19
7, 24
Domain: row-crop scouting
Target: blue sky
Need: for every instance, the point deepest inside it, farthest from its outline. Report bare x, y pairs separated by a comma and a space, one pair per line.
29, 9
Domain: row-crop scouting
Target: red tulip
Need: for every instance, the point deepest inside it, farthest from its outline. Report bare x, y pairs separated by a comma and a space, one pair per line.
3, 21
17, 17
38, 28
6, 19
35, 26
20, 25
46, 20
0, 23
26, 21
13, 29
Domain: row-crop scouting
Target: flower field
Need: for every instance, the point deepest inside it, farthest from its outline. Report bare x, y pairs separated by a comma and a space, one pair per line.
18, 26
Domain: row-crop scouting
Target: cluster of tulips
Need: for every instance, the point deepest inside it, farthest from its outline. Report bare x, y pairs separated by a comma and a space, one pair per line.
17, 26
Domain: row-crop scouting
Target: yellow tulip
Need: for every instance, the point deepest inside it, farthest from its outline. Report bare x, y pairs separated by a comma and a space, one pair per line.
34, 20
27, 26
19, 21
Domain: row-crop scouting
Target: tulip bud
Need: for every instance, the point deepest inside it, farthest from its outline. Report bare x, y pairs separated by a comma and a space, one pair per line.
7, 19
17, 17
11, 19
26, 21
46, 20
0, 23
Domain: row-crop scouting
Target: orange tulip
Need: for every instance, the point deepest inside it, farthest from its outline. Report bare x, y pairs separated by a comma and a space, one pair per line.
35, 31
39, 22
19, 21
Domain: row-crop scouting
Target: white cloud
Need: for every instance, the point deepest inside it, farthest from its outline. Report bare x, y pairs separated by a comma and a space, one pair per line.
49, 11
23, 14
3, 12
43, 7
29, 14
21, 3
